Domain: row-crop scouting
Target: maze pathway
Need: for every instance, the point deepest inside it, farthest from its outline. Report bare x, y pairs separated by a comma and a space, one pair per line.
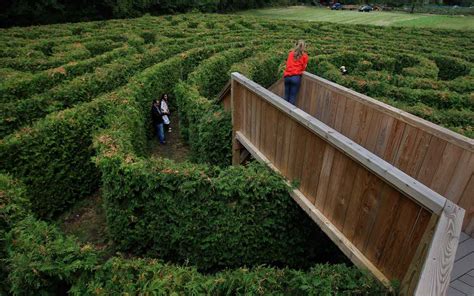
462, 276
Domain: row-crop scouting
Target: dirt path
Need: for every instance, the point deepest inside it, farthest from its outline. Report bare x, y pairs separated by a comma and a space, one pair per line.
175, 147
86, 220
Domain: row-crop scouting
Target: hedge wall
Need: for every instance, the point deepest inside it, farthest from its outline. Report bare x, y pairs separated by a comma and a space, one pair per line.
14, 206
53, 158
203, 122
42, 261
142, 277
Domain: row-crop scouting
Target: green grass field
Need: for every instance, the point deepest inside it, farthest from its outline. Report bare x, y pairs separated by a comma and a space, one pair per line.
372, 18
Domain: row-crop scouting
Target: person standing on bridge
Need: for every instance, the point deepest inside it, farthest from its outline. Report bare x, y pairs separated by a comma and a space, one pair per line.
295, 66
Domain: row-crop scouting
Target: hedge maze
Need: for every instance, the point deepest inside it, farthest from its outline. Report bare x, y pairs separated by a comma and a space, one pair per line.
75, 103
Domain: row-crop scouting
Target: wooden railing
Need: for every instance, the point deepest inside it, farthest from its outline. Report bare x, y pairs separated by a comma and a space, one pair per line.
380, 217
435, 156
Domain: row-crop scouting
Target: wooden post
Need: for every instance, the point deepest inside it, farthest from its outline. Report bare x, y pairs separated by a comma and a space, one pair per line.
236, 118
436, 272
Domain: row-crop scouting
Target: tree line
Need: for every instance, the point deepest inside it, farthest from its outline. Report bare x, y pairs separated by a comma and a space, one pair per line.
35, 12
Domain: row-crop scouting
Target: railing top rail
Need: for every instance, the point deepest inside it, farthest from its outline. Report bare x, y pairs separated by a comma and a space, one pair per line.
439, 131
392, 175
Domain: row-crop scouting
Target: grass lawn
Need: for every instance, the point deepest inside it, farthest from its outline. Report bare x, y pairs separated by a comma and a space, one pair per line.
371, 18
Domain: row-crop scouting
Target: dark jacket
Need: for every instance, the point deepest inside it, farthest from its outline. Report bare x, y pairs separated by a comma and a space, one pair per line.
156, 115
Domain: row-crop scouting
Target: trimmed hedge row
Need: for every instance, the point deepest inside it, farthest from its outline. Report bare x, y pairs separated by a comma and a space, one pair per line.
26, 87
204, 124
53, 157
14, 207
42, 261
207, 217
143, 277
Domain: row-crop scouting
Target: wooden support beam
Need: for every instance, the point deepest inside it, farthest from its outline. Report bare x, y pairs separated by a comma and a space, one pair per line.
244, 155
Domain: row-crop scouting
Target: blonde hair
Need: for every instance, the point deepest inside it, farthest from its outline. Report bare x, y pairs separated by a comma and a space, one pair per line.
299, 49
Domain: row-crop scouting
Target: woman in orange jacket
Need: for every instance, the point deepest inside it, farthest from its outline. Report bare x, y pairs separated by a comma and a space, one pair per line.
295, 66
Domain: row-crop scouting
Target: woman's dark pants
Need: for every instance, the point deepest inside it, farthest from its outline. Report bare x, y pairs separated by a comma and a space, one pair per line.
292, 86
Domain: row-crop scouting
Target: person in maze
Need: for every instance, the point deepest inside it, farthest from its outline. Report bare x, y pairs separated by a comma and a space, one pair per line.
157, 118
295, 66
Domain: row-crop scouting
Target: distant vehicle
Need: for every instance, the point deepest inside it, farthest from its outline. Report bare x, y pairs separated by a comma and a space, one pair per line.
336, 6
366, 8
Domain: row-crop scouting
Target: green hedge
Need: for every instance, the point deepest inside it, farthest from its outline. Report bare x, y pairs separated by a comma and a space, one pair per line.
22, 88
53, 158
206, 126
42, 261
144, 277
203, 123
205, 216
14, 206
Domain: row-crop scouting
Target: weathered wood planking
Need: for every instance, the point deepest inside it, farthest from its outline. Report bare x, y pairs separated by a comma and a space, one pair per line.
361, 200
435, 156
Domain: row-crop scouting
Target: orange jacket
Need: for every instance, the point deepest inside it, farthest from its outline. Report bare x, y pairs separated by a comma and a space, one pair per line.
295, 67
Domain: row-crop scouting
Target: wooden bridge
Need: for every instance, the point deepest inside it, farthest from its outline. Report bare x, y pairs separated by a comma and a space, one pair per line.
387, 187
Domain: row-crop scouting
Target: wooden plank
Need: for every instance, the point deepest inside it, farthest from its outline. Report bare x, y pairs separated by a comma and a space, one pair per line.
431, 161
324, 177
436, 130
395, 137
370, 202
467, 202
411, 244
446, 168
253, 118
312, 98
401, 230
313, 162
373, 133
259, 121
237, 103
392, 175
436, 272
463, 266
463, 287
464, 249
335, 181
282, 119
468, 280
343, 196
384, 136
271, 132
460, 178
298, 151
454, 292
412, 276
362, 179
287, 131
386, 215
292, 148
341, 106
348, 113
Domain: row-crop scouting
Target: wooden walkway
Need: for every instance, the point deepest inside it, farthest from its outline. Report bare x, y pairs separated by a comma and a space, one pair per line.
462, 276
357, 163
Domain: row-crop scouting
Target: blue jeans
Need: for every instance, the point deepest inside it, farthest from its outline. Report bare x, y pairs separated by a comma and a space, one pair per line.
292, 86
160, 132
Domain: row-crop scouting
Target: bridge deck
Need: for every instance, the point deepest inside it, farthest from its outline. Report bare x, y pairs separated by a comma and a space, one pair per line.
462, 276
